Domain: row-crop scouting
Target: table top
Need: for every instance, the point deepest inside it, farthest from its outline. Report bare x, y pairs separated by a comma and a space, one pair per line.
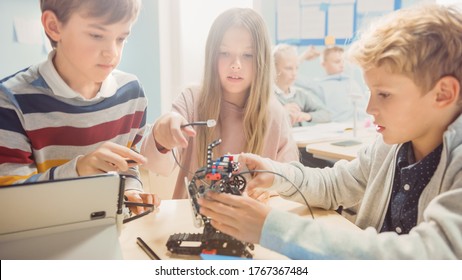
320, 140
175, 216
335, 150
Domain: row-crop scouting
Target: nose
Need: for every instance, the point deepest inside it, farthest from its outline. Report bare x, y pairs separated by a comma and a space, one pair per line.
111, 50
236, 64
371, 108
294, 73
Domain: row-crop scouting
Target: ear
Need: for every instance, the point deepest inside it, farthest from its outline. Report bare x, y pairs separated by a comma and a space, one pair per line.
447, 91
51, 25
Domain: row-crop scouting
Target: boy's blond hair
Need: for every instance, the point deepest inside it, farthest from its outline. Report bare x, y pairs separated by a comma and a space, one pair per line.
421, 43
331, 49
256, 108
282, 49
111, 11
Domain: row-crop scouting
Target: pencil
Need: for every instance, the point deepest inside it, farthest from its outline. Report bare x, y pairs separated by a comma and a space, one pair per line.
147, 249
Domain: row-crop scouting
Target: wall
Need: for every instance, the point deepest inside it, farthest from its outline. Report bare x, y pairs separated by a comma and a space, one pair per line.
142, 57
15, 56
311, 70
141, 54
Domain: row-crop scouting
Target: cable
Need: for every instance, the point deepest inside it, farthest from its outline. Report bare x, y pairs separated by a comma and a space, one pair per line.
208, 123
250, 172
187, 170
285, 178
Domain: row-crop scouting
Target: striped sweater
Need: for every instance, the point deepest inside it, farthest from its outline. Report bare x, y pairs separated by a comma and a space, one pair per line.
45, 126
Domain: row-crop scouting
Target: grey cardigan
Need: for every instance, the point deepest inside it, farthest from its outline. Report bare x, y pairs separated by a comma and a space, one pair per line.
368, 179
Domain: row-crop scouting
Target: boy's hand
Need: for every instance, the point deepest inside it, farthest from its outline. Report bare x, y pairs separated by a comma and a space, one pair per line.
108, 157
294, 112
168, 132
239, 216
136, 196
260, 181
310, 53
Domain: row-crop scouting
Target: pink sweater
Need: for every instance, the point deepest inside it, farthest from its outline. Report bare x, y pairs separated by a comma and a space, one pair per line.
279, 144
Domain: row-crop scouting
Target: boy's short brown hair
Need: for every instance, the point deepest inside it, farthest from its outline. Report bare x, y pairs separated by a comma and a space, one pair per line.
111, 11
422, 43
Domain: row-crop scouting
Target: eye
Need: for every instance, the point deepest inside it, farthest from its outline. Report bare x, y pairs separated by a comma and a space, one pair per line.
248, 55
383, 94
122, 40
224, 54
96, 36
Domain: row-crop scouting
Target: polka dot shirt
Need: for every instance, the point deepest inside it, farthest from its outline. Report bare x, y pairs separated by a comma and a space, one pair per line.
409, 182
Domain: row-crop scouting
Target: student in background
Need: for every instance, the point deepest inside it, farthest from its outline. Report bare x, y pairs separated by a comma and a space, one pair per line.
341, 94
236, 92
75, 114
303, 106
409, 180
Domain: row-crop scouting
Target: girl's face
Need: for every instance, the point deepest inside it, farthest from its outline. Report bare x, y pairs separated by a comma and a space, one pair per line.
236, 64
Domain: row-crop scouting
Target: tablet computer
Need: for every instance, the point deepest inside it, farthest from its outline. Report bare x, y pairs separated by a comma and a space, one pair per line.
62, 219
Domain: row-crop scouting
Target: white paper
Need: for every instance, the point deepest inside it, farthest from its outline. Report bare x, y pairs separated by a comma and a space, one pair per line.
28, 31
313, 2
288, 19
366, 6
340, 22
343, 2
313, 23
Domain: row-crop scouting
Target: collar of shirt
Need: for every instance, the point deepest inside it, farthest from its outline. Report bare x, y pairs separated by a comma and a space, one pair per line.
60, 88
413, 169
338, 77
281, 93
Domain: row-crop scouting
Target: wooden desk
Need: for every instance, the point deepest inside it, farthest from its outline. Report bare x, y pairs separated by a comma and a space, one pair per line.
318, 139
326, 150
175, 216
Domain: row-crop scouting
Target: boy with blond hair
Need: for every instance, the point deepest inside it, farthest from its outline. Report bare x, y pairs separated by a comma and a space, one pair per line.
75, 114
409, 180
303, 106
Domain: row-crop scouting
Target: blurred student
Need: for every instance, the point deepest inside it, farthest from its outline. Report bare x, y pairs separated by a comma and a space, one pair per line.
75, 114
236, 92
303, 106
341, 94
409, 180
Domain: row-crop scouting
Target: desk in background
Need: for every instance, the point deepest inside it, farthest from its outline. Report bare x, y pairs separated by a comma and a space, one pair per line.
175, 216
318, 140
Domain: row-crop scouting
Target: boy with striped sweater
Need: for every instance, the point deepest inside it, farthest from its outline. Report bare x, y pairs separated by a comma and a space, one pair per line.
75, 114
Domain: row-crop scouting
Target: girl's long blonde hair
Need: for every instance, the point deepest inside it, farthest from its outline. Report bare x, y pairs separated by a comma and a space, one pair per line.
256, 107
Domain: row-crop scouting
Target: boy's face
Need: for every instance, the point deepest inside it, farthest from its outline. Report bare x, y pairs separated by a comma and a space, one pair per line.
333, 63
286, 69
88, 50
235, 62
402, 112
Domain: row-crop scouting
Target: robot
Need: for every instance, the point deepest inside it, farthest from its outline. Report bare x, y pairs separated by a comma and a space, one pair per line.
221, 175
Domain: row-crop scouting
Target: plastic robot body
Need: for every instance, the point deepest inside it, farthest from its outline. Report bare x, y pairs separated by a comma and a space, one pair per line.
221, 176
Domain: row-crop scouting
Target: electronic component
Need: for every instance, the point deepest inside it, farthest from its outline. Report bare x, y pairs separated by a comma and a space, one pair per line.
219, 175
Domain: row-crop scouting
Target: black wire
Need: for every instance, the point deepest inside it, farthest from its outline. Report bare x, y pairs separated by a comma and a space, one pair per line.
254, 171
185, 169
178, 163
285, 178
150, 209
133, 177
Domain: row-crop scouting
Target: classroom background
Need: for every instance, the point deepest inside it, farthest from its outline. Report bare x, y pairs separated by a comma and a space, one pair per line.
166, 47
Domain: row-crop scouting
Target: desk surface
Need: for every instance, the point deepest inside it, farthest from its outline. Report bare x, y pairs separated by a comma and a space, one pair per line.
318, 139
328, 150
175, 216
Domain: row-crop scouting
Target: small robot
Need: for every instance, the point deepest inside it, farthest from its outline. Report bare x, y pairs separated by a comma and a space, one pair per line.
220, 175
